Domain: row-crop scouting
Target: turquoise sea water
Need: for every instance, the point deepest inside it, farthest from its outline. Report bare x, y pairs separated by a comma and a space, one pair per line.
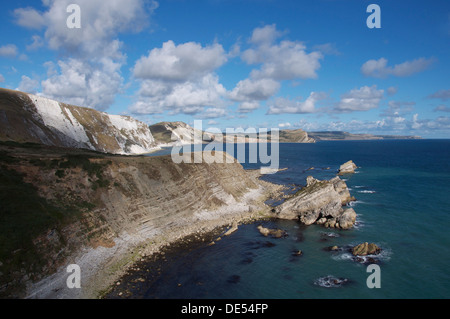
403, 205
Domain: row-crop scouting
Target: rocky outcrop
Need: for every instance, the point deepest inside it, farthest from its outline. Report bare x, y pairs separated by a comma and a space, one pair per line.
320, 202
275, 233
365, 249
347, 168
171, 133
92, 209
32, 118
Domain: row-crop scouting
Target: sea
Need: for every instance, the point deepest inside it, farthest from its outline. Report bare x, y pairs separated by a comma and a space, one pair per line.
402, 191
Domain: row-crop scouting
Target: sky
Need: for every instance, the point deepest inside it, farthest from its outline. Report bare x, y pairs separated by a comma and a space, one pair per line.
314, 65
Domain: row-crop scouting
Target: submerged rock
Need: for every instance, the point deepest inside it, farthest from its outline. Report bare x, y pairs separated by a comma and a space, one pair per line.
330, 282
297, 253
365, 249
347, 168
275, 233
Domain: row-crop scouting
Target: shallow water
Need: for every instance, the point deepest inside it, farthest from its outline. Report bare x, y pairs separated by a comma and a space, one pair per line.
403, 205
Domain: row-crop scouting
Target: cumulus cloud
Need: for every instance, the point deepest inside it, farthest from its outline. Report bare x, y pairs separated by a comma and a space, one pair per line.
29, 18
88, 72
282, 105
247, 107
254, 90
398, 107
189, 97
275, 61
83, 83
28, 85
36, 44
284, 125
287, 60
8, 51
181, 79
179, 62
380, 69
362, 99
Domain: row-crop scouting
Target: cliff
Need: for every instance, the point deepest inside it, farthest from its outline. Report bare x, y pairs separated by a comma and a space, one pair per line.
31, 118
62, 206
341, 136
169, 133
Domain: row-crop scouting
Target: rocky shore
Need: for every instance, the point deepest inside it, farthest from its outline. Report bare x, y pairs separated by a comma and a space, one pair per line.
131, 207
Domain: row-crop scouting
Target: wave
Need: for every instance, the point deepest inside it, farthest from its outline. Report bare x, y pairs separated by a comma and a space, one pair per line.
345, 255
329, 234
366, 192
330, 281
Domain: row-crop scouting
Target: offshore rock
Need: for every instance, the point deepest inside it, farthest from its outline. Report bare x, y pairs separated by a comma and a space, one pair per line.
347, 168
275, 233
365, 249
319, 202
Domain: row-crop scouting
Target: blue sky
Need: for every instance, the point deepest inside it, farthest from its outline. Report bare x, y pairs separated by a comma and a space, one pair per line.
313, 65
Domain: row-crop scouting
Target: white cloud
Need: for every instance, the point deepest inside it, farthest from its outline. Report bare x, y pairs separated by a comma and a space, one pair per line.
287, 60
181, 79
380, 69
265, 35
28, 85
8, 51
81, 83
284, 125
101, 22
29, 18
2, 79
398, 107
282, 105
179, 62
37, 43
247, 107
362, 99
189, 97
88, 70
254, 90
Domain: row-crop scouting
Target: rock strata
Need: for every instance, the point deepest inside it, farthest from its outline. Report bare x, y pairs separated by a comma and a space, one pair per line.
365, 249
320, 202
347, 168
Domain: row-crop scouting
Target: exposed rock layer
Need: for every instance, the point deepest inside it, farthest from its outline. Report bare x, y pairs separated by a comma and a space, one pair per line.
121, 201
31, 118
320, 202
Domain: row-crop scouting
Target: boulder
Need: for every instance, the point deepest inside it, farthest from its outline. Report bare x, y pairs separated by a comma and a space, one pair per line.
320, 202
347, 168
365, 249
347, 219
275, 233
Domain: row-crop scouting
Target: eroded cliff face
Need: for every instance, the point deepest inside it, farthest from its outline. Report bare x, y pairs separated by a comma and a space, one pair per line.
31, 118
86, 202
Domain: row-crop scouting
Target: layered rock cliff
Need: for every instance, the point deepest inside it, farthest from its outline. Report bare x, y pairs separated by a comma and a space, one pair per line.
31, 118
320, 202
58, 204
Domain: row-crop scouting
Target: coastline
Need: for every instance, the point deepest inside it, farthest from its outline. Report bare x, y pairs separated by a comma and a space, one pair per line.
103, 267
